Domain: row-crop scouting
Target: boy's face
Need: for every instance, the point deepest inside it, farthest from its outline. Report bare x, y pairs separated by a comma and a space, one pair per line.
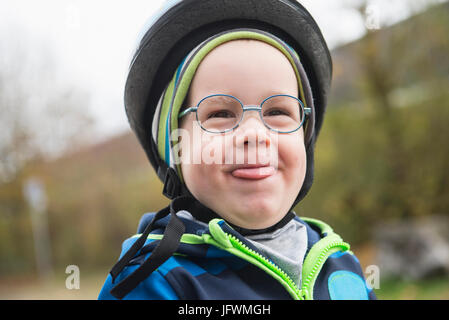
250, 70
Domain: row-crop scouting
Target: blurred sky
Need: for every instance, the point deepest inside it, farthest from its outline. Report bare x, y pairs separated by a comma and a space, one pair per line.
91, 41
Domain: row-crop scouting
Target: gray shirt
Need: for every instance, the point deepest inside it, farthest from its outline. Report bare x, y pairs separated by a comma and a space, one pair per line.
286, 247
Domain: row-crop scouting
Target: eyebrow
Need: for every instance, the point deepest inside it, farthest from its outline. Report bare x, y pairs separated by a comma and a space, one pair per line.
224, 99
230, 100
281, 92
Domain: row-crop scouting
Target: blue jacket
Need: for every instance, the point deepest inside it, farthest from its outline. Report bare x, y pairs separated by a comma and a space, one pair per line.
216, 262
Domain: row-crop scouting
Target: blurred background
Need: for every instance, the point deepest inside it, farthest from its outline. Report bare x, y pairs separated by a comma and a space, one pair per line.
74, 181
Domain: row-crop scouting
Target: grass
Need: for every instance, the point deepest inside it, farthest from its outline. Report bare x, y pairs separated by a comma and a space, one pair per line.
436, 288
52, 289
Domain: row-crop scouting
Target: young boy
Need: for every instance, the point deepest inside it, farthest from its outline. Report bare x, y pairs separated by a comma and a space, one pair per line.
232, 136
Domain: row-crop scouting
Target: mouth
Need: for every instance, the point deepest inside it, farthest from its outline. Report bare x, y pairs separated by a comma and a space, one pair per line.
253, 172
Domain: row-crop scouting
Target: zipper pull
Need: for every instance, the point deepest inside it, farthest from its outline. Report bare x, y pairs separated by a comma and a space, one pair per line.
218, 234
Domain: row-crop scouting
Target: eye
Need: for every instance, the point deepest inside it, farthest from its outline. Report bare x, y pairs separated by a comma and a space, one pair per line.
276, 112
221, 114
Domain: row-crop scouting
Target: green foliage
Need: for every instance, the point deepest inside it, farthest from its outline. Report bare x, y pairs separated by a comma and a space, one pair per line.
95, 200
435, 288
362, 177
382, 154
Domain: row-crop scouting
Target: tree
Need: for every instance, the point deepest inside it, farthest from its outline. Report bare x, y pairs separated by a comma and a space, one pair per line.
42, 113
382, 152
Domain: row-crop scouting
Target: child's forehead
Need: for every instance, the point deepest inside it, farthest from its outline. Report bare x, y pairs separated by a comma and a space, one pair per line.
243, 56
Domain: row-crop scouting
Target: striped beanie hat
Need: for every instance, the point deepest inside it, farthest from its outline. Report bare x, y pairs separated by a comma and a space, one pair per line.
170, 103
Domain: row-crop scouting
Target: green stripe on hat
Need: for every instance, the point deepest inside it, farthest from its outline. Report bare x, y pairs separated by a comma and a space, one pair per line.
163, 119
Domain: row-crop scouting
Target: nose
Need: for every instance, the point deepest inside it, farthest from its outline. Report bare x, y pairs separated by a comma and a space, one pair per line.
251, 131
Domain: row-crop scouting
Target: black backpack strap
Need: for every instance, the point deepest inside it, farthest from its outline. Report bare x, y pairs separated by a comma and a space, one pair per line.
163, 251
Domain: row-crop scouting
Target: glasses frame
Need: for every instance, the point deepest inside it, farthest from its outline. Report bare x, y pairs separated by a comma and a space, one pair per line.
306, 112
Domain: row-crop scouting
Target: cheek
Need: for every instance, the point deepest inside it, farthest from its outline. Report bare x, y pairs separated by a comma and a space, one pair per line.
201, 161
293, 154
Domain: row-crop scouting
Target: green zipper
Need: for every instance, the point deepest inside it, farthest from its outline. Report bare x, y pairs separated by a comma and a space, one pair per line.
286, 281
311, 266
305, 293
314, 262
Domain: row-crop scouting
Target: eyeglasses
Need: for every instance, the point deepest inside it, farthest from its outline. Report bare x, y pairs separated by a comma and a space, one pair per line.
220, 113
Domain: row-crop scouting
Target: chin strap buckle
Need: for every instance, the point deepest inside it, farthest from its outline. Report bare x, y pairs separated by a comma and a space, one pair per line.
172, 184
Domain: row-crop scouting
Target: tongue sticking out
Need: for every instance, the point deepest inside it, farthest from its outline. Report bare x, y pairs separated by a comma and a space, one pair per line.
254, 173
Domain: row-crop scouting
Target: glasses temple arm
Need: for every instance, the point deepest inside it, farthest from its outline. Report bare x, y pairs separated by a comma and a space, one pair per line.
188, 110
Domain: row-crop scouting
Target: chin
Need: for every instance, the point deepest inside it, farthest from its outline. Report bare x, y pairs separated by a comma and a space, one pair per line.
256, 214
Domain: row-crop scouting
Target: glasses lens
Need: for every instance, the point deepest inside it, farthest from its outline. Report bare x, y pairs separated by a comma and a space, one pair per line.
219, 113
282, 113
